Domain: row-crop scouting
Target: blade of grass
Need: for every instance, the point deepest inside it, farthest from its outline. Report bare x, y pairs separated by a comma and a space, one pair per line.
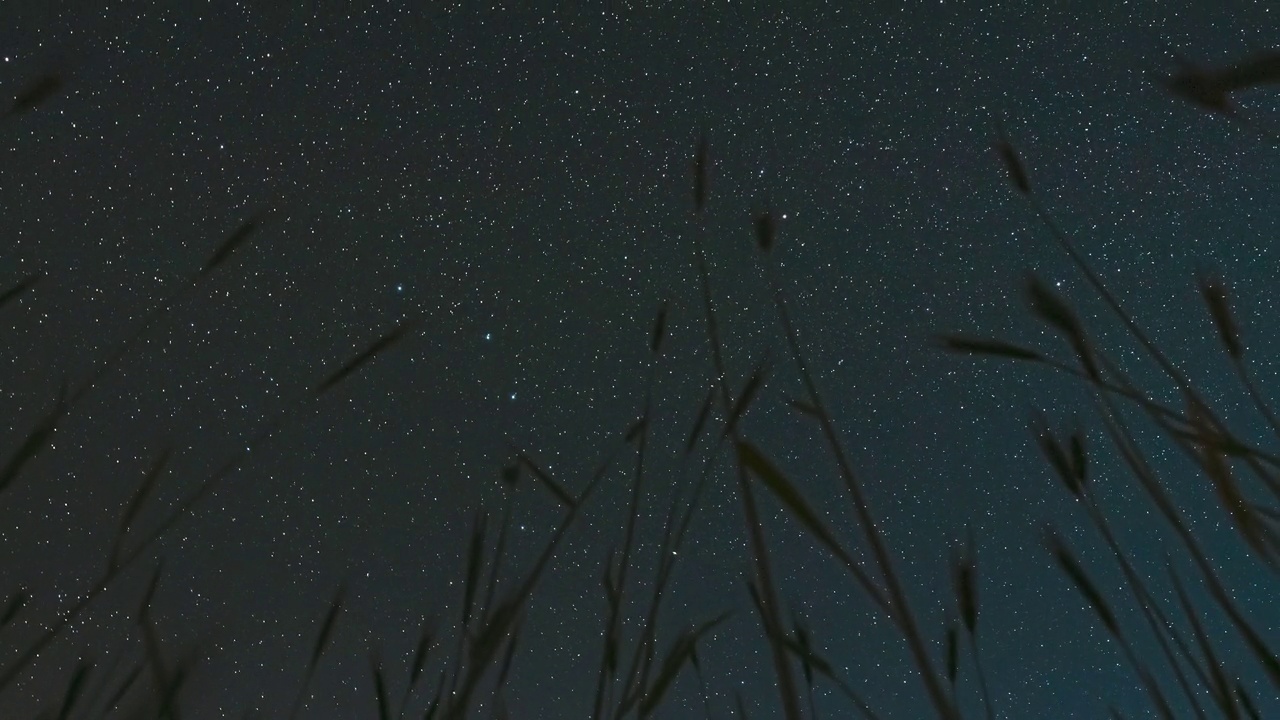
36, 441
18, 289
997, 348
1071, 567
677, 657
768, 600
377, 347
75, 686
1124, 440
799, 508
704, 411
323, 637
899, 611
1219, 687
379, 687
36, 93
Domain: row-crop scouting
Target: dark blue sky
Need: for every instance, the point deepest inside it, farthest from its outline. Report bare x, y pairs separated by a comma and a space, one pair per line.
518, 181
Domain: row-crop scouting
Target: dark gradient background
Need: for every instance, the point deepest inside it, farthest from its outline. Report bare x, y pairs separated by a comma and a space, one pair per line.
519, 181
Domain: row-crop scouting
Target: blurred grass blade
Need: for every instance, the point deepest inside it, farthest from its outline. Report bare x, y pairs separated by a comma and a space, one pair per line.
805, 408
36, 93
1012, 162
328, 624
12, 607
1067, 561
790, 498
125, 686
74, 688
704, 411
677, 656
1246, 702
807, 658
508, 656
233, 242
701, 174
1063, 461
14, 292
749, 392
475, 558
376, 348
964, 572
1215, 465
1211, 88
800, 646
766, 231
420, 654
1214, 294
322, 642
981, 346
633, 432
144, 489
549, 482
659, 329
35, 441
952, 653
1219, 688
139, 497
434, 705
1055, 311
379, 687
148, 595
1049, 307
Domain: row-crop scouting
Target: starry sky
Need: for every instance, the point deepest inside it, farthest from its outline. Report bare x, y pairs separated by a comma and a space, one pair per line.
515, 183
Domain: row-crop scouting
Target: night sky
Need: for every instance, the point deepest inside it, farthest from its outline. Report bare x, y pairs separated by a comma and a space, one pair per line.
516, 185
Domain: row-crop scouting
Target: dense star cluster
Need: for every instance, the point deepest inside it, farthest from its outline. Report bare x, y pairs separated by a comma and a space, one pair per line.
364, 298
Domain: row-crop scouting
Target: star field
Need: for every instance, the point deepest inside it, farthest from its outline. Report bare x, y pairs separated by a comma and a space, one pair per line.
514, 185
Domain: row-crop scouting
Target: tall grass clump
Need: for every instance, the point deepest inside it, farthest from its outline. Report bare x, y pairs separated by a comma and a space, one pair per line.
665, 466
